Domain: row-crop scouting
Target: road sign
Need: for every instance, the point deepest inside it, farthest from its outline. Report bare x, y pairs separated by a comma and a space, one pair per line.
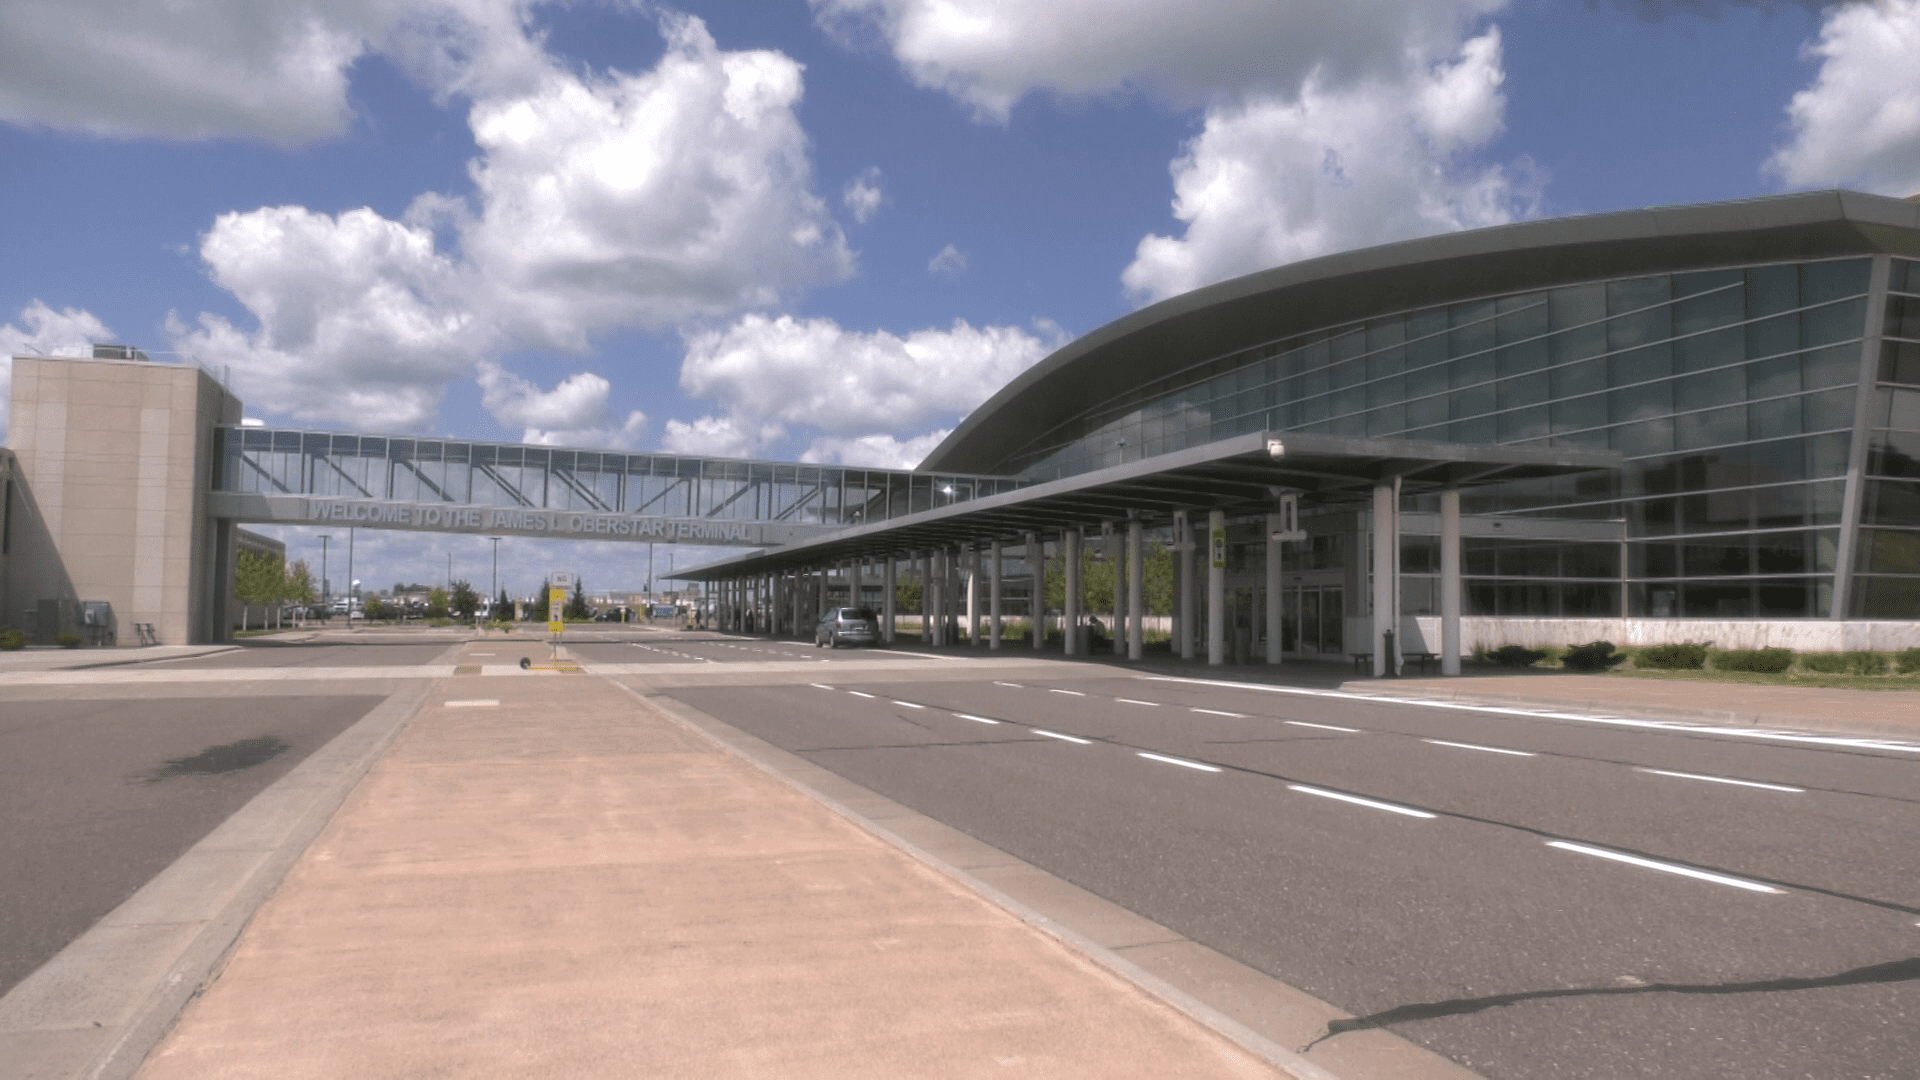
556, 608
1220, 547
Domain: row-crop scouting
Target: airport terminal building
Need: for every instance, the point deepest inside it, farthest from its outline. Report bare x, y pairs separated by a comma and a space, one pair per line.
1691, 423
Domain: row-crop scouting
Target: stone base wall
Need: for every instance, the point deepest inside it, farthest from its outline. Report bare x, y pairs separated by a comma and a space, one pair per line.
1800, 635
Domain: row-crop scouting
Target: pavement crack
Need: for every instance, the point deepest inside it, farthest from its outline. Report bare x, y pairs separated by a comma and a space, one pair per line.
1906, 970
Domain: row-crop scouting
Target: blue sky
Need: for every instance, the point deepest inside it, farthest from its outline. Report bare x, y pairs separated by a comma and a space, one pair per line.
830, 229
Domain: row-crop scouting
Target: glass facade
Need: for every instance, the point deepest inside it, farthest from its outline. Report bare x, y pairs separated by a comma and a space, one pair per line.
327, 465
1731, 393
1887, 563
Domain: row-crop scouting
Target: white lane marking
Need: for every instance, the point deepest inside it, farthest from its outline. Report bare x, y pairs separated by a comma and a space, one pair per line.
975, 719
1472, 746
909, 705
921, 655
1057, 735
857, 693
1722, 780
1135, 701
1074, 693
1654, 864
475, 703
482, 654
1858, 742
1323, 727
1178, 761
822, 686
1015, 685
1358, 801
1217, 712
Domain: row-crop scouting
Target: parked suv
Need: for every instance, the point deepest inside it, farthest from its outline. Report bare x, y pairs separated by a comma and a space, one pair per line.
852, 625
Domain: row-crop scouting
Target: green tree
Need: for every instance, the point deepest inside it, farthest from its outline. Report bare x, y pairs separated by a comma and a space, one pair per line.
503, 606
906, 593
437, 603
258, 578
464, 601
375, 608
300, 587
1096, 581
537, 611
577, 603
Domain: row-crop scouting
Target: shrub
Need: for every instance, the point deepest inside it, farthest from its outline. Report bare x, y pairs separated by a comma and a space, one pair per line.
11, 639
1593, 656
1516, 656
1768, 661
69, 640
1846, 663
1867, 663
1674, 657
1826, 663
1907, 661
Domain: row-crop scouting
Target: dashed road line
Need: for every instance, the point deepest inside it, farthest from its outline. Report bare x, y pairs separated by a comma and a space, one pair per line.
1136, 701
1721, 780
1057, 735
975, 719
857, 693
1323, 727
909, 705
1391, 808
1178, 761
1665, 867
1216, 712
1484, 749
1071, 693
473, 703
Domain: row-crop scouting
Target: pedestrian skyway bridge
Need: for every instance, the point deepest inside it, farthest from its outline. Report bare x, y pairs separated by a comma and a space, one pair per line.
292, 477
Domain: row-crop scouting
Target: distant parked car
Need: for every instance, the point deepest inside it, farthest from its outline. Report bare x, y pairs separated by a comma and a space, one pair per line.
852, 625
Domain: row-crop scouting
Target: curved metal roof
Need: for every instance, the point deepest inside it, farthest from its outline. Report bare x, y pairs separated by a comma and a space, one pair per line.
1336, 289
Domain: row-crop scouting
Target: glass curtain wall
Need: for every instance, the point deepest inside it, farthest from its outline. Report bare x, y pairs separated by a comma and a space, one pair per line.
1887, 582
1731, 393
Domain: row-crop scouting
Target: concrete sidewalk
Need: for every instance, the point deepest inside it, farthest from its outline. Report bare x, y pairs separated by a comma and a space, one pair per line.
569, 883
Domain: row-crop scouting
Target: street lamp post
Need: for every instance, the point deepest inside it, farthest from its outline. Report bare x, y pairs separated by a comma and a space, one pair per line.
326, 587
496, 572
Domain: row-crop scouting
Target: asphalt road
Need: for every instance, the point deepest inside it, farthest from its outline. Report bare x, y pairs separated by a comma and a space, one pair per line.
1461, 875
92, 813
267, 653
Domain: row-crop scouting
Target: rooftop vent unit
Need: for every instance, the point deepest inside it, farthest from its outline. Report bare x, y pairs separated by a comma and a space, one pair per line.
117, 352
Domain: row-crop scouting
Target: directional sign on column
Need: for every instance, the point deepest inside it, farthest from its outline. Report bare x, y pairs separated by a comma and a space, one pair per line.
557, 602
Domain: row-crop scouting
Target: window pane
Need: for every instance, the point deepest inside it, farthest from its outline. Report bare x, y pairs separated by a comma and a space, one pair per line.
1889, 551
1576, 306
1886, 597
1708, 389
1712, 428
1719, 600
1778, 460
1900, 362
1823, 281
1891, 502
1777, 417
1717, 349
1578, 414
1783, 553
1771, 290
1653, 560
1834, 322
1720, 511
1520, 425
1903, 317
1769, 337
1894, 453
1789, 598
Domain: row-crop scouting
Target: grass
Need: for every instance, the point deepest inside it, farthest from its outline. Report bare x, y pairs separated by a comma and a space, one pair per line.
1789, 678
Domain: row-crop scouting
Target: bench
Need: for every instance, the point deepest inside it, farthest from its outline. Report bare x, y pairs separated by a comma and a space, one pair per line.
1363, 661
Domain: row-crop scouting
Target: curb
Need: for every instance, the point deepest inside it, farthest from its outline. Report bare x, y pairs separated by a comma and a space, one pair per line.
99, 1007
1255, 1011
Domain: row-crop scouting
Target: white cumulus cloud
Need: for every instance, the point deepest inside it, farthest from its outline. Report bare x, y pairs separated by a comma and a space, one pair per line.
602, 203
776, 377
273, 70
67, 332
863, 196
879, 451
949, 261
1271, 180
1858, 124
574, 413
990, 54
